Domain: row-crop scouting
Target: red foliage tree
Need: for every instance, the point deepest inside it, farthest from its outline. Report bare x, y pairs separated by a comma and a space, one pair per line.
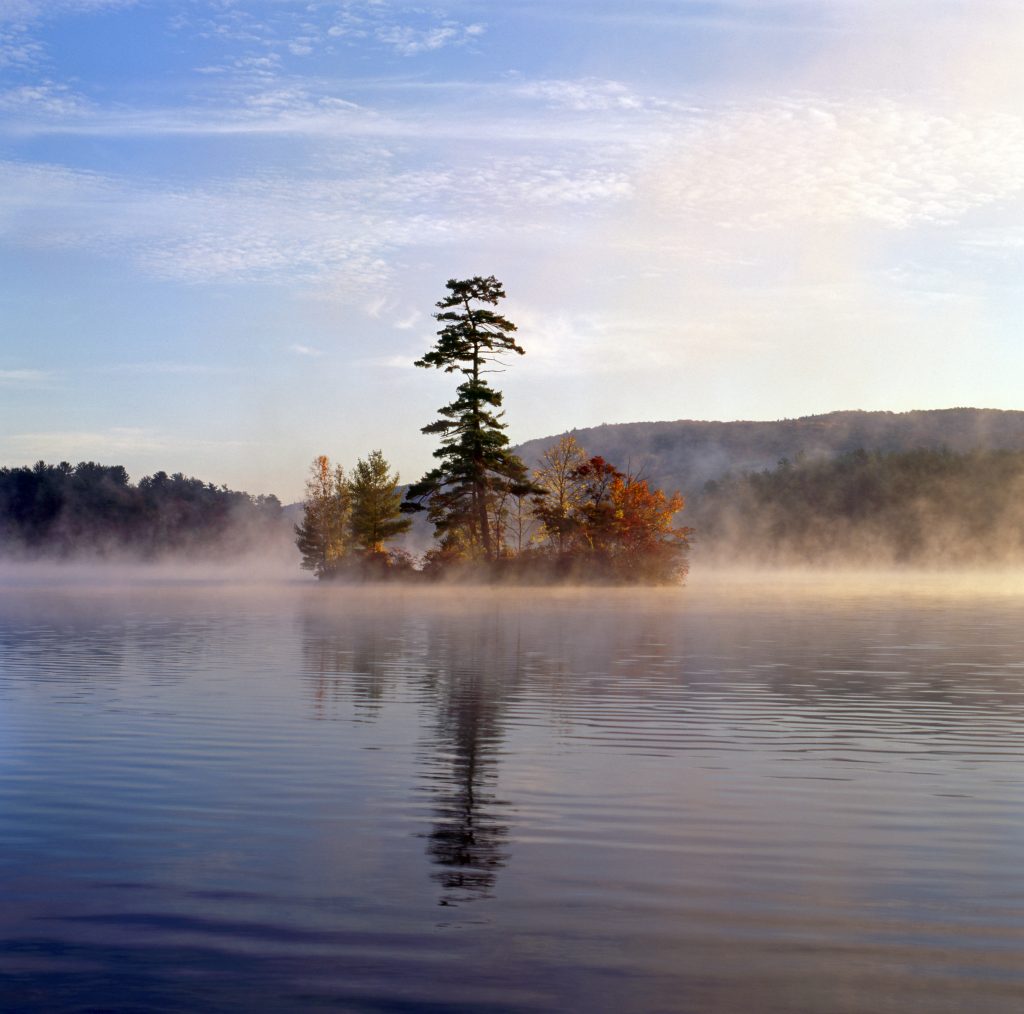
624, 528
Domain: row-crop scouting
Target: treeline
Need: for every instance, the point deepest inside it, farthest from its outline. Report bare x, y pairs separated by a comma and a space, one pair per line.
91, 509
932, 507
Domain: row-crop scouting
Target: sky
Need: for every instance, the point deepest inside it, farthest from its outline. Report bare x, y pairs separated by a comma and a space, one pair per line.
224, 224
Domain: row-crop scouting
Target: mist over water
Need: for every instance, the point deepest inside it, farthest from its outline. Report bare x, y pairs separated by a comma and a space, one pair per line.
756, 792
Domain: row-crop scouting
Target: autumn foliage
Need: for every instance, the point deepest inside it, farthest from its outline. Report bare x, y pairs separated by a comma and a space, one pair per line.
606, 523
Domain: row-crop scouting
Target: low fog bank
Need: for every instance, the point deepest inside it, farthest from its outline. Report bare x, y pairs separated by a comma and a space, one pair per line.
929, 509
255, 569
279, 585
770, 586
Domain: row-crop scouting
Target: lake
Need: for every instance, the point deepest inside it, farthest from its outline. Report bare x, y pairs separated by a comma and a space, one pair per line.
767, 794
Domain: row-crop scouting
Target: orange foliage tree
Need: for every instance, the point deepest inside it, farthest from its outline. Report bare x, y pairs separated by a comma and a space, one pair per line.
617, 526
649, 545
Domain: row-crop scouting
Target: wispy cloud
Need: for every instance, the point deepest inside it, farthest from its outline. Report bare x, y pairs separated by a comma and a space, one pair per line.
45, 98
293, 228
163, 368
392, 362
24, 12
66, 444
20, 47
409, 321
410, 41
585, 95
17, 48
29, 378
101, 444
305, 350
300, 30
876, 161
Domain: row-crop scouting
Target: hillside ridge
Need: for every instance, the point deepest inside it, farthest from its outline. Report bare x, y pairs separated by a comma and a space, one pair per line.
685, 453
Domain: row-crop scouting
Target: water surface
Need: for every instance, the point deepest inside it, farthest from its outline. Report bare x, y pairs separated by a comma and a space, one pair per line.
764, 797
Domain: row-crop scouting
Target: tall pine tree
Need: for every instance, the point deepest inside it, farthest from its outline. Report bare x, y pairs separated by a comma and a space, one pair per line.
475, 462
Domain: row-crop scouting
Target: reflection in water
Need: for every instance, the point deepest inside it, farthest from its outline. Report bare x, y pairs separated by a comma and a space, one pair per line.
473, 665
465, 694
468, 841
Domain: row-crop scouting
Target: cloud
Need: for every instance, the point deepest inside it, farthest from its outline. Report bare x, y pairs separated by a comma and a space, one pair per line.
44, 98
162, 369
868, 163
880, 162
409, 321
613, 342
17, 49
296, 227
301, 30
73, 443
102, 444
305, 350
19, 19
24, 377
1008, 240
393, 362
584, 95
22, 12
410, 41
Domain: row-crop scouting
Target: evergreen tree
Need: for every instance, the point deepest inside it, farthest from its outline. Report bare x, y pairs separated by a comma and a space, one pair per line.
475, 460
322, 535
375, 504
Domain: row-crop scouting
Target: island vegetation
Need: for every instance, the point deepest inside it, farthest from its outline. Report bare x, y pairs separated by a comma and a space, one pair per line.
573, 518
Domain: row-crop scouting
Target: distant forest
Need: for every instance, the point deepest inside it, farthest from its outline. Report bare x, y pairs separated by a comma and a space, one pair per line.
88, 508
914, 507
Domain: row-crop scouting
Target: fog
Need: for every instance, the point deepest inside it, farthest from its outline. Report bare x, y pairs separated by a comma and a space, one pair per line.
254, 571
259, 579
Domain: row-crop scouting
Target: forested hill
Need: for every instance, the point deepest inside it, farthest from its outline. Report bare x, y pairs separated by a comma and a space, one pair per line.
685, 454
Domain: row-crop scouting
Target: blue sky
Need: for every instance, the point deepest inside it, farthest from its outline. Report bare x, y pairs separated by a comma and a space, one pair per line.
223, 225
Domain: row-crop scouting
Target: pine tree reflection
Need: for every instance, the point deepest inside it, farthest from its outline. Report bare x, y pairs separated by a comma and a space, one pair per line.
463, 674
468, 841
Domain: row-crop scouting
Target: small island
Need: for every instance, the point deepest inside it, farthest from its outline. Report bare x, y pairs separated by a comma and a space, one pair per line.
574, 518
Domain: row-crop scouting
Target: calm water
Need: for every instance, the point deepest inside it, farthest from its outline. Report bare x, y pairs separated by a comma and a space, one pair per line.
707, 800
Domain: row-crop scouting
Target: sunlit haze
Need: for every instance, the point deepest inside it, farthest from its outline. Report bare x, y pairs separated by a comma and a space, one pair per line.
223, 225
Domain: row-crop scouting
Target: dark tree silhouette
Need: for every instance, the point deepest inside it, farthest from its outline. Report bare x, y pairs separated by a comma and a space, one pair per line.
475, 460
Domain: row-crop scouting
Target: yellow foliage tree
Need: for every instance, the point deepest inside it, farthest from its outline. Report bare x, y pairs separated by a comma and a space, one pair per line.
322, 535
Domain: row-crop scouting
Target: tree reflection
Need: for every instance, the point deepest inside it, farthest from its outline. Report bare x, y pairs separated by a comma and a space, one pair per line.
468, 841
462, 675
